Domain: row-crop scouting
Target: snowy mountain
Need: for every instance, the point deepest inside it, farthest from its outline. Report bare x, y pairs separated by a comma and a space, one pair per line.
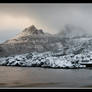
71, 40
29, 40
34, 47
30, 31
75, 40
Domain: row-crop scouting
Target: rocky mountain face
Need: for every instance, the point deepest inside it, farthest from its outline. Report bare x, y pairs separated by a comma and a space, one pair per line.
30, 39
71, 40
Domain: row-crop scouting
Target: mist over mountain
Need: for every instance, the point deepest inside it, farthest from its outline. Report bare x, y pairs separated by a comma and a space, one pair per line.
72, 39
72, 31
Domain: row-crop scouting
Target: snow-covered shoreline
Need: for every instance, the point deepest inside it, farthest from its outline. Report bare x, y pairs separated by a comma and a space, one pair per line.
47, 60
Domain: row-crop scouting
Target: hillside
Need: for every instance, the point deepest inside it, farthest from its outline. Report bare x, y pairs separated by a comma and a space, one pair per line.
30, 39
71, 40
70, 48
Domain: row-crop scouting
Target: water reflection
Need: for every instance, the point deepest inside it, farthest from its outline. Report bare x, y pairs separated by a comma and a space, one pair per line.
39, 77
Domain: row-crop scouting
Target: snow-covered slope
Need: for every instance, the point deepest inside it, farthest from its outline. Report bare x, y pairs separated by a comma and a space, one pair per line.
48, 60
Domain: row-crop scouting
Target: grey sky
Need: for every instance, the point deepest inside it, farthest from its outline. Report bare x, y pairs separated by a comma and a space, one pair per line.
49, 17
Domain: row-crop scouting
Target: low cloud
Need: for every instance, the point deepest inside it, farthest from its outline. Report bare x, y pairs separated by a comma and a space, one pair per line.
50, 17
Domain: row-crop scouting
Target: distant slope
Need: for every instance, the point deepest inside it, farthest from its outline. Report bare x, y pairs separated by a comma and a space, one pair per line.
71, 31
75, 39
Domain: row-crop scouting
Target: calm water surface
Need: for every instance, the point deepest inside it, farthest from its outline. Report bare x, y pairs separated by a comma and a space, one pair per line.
39, 77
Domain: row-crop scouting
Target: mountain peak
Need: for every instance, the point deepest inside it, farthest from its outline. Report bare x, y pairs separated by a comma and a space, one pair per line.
31, 30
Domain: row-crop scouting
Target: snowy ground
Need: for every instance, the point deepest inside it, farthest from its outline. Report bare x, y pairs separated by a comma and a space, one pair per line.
47, 60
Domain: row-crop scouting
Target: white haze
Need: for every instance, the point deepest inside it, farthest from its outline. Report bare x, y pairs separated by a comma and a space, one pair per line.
50, 17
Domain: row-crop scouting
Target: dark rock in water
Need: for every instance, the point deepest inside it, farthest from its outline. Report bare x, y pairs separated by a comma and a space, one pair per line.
89, 65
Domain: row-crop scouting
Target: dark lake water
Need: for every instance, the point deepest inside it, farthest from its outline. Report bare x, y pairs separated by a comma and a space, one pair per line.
11, 77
